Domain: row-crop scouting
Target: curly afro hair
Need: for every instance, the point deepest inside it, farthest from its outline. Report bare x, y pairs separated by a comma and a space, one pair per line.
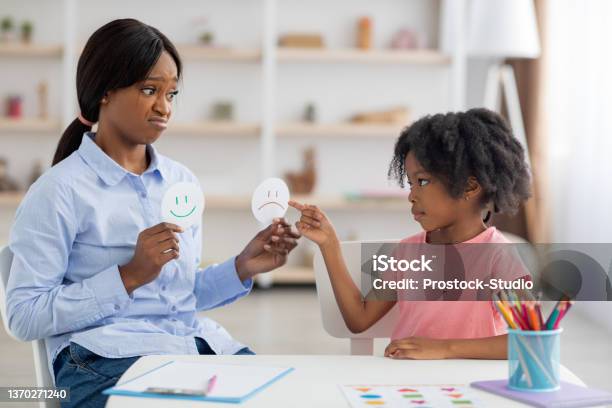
455, 146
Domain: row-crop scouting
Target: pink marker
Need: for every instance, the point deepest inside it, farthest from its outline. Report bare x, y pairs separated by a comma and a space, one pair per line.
211, 384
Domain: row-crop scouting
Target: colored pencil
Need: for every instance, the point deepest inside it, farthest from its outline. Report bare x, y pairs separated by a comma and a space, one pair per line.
519, 320
527, 314
552, 318
534, 321
562, 312
505, 314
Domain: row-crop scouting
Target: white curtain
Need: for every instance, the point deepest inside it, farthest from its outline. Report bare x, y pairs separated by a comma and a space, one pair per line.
579, 101
579, 114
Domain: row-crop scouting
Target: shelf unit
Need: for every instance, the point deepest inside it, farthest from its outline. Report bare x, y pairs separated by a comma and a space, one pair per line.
268, 129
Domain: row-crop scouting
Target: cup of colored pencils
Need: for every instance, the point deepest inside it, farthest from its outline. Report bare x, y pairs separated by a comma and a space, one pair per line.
533, 342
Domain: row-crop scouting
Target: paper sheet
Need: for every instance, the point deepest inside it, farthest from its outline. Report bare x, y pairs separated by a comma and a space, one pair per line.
421, 396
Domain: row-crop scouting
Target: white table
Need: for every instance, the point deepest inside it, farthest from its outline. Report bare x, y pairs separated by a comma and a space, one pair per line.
315, 380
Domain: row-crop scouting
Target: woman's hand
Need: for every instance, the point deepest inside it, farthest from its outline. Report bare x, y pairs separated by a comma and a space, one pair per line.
155, 247
418, 348
268, 250
314, 224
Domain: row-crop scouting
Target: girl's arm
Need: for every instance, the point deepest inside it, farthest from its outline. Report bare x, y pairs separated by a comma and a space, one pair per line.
359, 314
490, 348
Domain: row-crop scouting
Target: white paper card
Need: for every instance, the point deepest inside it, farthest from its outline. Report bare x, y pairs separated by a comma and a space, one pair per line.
183, 204
270, 200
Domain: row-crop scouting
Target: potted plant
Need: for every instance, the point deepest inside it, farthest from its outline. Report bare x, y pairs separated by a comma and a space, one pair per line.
26, 31
6, 28
207, 38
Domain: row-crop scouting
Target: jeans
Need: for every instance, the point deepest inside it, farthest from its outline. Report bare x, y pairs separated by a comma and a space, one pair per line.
88, 374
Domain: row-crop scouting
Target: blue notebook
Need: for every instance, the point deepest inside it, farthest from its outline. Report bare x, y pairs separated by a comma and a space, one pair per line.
235, 383
569, 396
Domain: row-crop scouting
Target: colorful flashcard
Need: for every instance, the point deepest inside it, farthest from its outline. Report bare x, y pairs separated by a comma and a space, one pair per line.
409, 396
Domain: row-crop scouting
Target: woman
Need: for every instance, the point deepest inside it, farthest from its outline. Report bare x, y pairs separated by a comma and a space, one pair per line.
94, 272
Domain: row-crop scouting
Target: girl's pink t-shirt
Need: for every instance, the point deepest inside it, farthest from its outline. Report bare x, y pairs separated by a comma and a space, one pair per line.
457, 319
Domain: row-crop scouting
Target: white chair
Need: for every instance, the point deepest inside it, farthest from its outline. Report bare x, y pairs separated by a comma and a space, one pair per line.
43, 376
361, 343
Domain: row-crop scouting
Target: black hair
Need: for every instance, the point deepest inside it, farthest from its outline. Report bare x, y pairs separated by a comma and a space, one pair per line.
455, 146
117, 55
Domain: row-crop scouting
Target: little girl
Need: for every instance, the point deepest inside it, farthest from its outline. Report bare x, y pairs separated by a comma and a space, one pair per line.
458, 165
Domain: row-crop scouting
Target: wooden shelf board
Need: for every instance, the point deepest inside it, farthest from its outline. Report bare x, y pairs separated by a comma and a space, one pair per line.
206, 128
10, 199
293, 275
220, 128
326, 202
29, 125
196, 52
290, 54
340, 202
212, 202
215, 128
243, 203
339, 130
227, 202
31, 50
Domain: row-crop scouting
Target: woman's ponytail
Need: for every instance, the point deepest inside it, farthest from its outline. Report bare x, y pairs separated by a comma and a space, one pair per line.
70, 140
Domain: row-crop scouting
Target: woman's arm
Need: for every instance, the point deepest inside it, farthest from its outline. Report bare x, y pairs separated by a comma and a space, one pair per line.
490, 348
39, 303
359, 314
216, 285
221, 284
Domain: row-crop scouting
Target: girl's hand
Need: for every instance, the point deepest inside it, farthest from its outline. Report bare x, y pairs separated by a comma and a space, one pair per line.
418, 348
314, 224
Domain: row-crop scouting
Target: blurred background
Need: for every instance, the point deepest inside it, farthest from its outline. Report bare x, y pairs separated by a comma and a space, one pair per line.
316, 93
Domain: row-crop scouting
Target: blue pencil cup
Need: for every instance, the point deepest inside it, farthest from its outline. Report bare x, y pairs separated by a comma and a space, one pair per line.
533, 360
